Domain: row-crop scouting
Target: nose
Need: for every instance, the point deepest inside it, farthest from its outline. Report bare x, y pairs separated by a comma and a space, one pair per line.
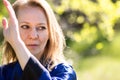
33, 34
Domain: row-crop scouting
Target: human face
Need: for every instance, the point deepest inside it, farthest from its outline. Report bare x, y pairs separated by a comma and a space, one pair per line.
33, 29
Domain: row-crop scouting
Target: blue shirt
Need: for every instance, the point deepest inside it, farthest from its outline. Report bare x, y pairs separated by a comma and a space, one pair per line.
34, 71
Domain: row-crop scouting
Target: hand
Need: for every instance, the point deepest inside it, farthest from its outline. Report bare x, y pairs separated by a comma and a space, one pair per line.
11, 30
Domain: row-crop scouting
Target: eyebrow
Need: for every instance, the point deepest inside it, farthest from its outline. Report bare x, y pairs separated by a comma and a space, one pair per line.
37, 24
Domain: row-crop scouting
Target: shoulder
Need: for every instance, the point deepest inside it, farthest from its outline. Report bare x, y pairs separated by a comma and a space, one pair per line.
64, 69
6, 70
8, 66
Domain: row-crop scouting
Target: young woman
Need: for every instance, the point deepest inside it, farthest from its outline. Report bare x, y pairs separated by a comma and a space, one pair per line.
34, 43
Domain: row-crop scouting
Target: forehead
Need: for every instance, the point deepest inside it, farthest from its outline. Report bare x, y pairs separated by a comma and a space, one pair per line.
31, 13
28, 9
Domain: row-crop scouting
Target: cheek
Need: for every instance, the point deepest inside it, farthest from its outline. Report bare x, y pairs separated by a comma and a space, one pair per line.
23, 35
44, 36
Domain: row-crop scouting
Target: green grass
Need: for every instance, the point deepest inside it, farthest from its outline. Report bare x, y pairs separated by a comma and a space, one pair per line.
98, 68
101, 67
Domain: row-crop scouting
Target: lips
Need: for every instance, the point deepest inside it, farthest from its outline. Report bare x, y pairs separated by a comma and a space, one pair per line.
32, 46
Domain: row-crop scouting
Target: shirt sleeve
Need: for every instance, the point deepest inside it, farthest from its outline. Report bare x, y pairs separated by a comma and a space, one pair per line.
1, 76
35, 71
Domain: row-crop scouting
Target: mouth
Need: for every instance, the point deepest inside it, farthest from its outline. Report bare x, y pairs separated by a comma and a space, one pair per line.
32, 45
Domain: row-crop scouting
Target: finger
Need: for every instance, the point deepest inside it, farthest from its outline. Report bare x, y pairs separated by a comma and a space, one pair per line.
9, 9
5, 23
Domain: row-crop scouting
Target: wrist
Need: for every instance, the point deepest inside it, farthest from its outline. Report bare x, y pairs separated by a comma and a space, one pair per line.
16, 43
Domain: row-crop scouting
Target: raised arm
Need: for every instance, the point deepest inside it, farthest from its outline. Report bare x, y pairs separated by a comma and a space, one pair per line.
12, 35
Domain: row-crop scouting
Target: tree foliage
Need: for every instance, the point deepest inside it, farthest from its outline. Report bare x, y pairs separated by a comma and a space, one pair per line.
89, 25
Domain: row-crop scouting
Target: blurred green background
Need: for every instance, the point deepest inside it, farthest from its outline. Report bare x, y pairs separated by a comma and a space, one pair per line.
92, 31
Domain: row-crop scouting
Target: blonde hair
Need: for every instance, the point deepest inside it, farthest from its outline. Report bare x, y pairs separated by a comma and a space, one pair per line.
53, 54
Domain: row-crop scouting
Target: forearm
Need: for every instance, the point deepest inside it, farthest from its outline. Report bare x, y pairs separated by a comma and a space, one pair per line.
22, 53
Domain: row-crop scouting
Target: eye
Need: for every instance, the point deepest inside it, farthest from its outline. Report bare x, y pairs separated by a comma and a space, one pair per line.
41, 28
25, 26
